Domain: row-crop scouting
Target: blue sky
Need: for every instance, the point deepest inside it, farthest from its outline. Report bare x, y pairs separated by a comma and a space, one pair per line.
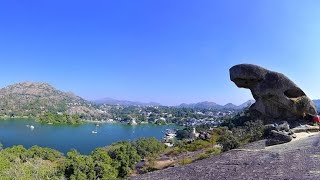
168, 51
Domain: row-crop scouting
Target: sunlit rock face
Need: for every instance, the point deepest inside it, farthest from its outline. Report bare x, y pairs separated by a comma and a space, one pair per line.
277, 97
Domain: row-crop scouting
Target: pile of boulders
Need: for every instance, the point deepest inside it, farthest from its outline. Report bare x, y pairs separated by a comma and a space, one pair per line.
279, 133
205, 135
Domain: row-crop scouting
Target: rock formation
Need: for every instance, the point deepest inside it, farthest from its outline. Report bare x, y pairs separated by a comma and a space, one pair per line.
277, 97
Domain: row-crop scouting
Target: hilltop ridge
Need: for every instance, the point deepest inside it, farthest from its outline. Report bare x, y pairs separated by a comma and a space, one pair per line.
213, 105
35, 98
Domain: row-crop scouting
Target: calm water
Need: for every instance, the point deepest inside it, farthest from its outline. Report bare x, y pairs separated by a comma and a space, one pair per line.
66, 137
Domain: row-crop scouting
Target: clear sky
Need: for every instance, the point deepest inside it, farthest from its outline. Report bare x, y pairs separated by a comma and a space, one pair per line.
168, 51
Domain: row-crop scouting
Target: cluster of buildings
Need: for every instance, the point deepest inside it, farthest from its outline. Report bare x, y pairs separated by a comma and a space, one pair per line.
163, 115
169, 137
198, 122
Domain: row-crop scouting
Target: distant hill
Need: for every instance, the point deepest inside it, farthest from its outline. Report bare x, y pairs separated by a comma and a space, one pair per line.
34, 99
202, 105
317, 103
111, 101
246, 104
215, 106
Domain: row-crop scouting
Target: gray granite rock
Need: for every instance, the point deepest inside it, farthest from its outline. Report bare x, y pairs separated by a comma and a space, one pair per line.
295, 161
277, 97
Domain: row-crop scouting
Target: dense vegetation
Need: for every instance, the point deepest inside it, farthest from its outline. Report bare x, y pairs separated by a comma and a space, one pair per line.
240, 130
233, 132
55, 118
113, 162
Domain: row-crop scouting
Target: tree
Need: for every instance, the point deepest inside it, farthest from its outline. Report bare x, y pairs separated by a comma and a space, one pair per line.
228, 141
78, 166
147, 147
103, 165
125, 156
44, 153
184, 133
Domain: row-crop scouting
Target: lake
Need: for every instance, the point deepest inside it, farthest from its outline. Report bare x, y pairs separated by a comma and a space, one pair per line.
65, 137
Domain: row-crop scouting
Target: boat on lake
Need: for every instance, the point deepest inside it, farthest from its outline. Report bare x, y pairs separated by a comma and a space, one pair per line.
95, 131
30, 126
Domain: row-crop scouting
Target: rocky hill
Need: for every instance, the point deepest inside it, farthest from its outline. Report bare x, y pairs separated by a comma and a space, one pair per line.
33, 99
298, 159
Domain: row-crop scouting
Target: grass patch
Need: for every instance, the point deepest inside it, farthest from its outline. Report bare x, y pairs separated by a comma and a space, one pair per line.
194, 146
203, 156
214, 151
209, 153
186, 161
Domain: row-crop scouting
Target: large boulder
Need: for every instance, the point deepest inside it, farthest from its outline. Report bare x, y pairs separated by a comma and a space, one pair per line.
277, 97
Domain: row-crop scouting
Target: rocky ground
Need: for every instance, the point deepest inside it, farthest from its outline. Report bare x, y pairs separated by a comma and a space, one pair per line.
299, 159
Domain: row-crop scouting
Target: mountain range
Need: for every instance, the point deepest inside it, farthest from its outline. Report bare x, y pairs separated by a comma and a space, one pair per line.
112, 101
200, 105
212, 105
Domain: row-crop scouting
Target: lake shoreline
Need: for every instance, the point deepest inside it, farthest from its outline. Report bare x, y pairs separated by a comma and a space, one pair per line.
64, 137
84, 121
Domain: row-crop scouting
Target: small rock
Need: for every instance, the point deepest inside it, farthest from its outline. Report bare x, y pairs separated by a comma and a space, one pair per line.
283, 126
294, 135
278, 137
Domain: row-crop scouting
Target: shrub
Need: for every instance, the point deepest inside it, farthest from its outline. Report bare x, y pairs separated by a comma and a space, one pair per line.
255, 130
228, 141
184, 133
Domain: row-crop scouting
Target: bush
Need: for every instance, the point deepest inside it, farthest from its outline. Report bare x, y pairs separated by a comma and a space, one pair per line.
255, 130
184, 133
228, 141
